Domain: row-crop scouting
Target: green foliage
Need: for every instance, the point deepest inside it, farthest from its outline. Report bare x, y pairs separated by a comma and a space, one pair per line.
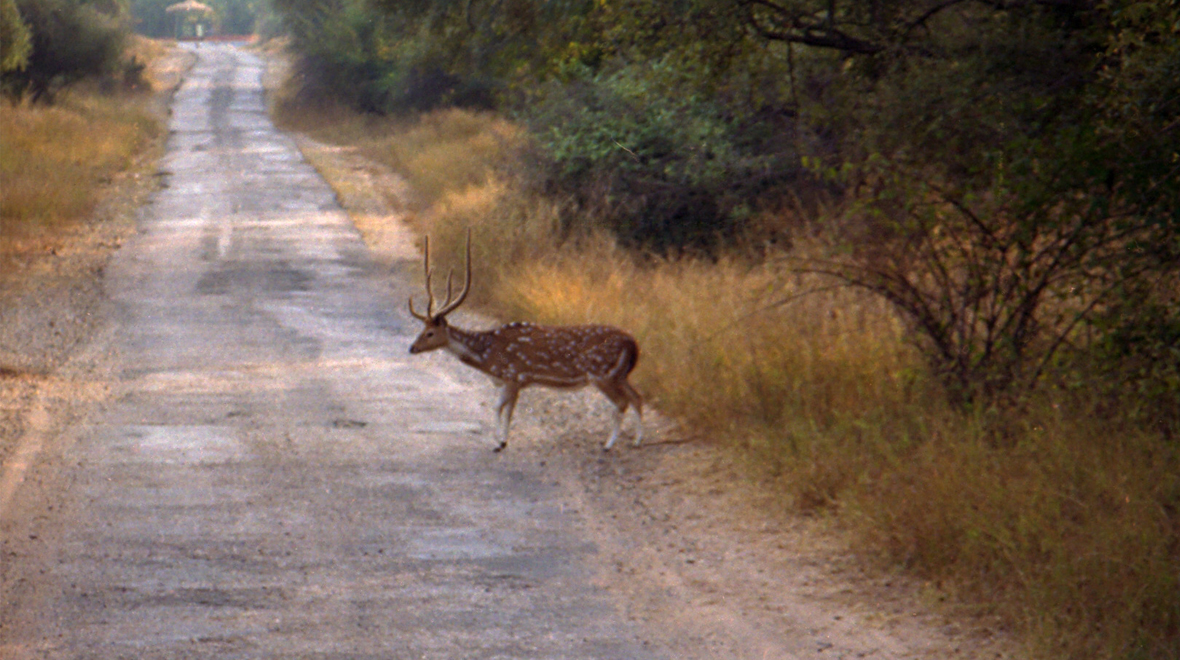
1137, 355
71, 40
151, 19
1136, 99
342, 53
237, 16
383, 56
15, 38
671, 152
1015, 197
660, 167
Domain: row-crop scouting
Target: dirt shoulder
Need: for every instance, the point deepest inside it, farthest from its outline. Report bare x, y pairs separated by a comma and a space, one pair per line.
702, 551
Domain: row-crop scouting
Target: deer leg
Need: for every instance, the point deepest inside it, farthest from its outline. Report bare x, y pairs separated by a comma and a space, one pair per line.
508, 393
621, 401
637, 401
618, 426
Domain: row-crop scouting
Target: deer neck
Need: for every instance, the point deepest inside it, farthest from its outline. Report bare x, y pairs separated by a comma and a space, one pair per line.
470, 347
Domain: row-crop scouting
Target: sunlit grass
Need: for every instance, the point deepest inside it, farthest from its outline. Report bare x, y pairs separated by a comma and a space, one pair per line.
54, 160
1063, 526
470, 145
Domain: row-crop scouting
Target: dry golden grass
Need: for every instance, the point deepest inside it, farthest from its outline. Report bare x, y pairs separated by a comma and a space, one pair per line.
1066, 528
1068, 533
55, 160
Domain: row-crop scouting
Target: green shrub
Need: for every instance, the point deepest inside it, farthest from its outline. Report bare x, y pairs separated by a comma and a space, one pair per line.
71, 40
15, 38
660, 168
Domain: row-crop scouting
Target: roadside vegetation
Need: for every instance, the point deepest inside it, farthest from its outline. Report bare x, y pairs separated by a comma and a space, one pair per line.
73, 117
920, 263
1058, 517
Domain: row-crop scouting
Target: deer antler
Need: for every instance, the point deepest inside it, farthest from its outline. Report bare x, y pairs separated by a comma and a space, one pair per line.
448, 306
429, 291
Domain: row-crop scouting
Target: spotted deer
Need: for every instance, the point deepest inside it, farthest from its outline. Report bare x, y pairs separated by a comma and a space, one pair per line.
519, 355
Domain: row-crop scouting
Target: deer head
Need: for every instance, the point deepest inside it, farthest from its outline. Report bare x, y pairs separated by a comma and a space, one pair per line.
434, 335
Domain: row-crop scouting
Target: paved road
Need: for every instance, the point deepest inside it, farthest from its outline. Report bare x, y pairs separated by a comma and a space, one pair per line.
277, 477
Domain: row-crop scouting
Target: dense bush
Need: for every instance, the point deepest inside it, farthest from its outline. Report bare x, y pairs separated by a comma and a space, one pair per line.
660, 168
71, 40
15, 38
1016, 202
380, 58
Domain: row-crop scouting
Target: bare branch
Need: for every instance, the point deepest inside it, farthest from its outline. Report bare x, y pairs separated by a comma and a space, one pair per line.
800, 28
930, 13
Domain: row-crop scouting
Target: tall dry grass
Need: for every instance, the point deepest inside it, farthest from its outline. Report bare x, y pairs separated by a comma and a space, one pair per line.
56, 159
1066, 527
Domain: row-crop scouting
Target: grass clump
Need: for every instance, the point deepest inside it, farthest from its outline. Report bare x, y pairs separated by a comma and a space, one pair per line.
55, 161
1060, 521
53, 156
1070, 533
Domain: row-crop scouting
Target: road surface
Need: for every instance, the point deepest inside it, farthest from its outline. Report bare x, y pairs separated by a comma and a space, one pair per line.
275, 477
